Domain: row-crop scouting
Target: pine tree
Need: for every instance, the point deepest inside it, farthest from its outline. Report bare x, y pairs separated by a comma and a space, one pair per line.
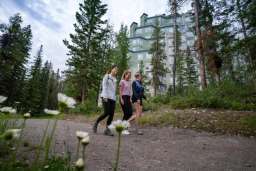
180, 64
146, 81
190, 70
158, 60
84, 52
209, 36
15, 44
53, 89
122, 50
33, 90
174, 7
44, 85
245, 12
199, 43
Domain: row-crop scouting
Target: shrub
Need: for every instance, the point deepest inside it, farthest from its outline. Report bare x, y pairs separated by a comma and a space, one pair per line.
228, 95
163, 99
63, 108
88, 107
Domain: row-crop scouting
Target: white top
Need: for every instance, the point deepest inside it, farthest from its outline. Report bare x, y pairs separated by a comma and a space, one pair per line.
109, 87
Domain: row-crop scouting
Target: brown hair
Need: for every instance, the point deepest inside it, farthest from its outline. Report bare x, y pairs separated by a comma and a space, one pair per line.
137, 74
125, 73
110, 69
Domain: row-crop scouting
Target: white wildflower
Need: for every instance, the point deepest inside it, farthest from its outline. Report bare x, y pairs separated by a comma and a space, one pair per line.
69, 101
27, 115
51, 112
8, 110
80, 163
15, 133
2, 99
46, 166
85, 141
119, 126
81, 134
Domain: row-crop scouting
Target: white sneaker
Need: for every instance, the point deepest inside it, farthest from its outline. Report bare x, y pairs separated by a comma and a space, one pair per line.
125, 132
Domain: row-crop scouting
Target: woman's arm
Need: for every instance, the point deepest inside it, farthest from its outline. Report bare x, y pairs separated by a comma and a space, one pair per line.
135, 90
104, 87
121, 85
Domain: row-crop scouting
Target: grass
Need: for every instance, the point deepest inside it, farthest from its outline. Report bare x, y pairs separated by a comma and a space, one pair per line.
249, 122
4, 116
220, 122
157, 119
55, 163
9, 149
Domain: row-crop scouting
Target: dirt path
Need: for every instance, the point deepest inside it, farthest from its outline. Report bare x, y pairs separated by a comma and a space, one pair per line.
159, 149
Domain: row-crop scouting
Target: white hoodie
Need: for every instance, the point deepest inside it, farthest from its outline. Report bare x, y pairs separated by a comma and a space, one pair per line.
109, 87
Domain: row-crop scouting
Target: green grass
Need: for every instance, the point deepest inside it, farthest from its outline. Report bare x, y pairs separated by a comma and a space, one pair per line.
9, 116
249, 122
55, 163
4, 116
157, 119
222, 122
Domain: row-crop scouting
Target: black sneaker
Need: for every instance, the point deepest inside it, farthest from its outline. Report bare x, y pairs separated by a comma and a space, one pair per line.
108, 132
139, 132
94, 128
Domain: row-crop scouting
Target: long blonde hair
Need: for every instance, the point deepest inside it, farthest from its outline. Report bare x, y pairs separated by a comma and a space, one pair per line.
125, 73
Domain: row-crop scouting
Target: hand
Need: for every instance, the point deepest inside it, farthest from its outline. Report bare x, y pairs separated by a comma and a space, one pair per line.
105, 99
122, 101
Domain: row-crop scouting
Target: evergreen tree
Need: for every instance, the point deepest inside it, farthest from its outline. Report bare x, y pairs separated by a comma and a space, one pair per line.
209, 36
33, 91
15, 44
44, 85
190, 70
158, 60
122, 50
180, 64
199, 43
146, 81
84, 49
245, 12
53, 89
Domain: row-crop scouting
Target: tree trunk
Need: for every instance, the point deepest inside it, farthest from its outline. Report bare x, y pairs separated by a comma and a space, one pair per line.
241, 18
174, 5
200, 46
250, 54
83, 93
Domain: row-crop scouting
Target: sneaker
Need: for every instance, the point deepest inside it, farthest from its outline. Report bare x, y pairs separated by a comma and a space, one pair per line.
94, 128
139, 132
108, 132
125, 132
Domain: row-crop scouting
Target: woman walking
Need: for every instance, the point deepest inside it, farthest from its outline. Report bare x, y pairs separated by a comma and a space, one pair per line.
137, 96
125, 92
108, 96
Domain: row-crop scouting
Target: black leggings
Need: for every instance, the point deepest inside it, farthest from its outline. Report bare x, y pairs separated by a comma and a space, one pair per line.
126, 107
109, 110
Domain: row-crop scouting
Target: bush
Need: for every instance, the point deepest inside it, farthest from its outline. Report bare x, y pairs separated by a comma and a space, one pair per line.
88, 107
63, 108
227, 95
163, 99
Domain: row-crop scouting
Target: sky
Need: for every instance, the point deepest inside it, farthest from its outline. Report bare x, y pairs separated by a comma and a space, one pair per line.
52, 21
